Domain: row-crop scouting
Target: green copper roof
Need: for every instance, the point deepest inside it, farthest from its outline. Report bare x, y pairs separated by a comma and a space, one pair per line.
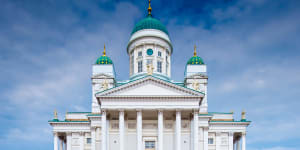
149, 23
104, 60
195, 60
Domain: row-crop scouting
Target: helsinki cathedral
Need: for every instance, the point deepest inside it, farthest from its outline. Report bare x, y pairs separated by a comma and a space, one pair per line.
149, 111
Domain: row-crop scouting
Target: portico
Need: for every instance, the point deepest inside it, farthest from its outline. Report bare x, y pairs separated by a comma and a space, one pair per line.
152, 120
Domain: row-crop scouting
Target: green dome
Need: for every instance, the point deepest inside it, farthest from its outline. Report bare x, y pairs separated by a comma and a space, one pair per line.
149, 23
195, 60
104, 60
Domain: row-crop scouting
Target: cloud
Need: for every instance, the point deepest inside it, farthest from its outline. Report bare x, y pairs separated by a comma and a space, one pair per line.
280, 148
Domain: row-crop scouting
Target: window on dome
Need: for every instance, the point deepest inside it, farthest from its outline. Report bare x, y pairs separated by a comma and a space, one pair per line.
167, 67
131, 62
159, 66
159, 54
140, 54
140, 66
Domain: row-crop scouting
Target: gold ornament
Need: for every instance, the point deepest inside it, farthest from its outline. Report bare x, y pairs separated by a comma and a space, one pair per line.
243, 115
150, 69
195, 51
55, 114
104, 51
196, 85
104, 85
149, 8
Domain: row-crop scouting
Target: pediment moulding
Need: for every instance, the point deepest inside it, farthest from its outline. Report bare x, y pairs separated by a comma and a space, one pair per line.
150, 80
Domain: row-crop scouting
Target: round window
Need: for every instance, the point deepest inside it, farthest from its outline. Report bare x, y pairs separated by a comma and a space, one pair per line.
149, 52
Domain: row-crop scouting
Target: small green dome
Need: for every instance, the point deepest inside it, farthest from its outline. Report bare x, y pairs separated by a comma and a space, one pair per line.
104, 60
149, 23
195, 60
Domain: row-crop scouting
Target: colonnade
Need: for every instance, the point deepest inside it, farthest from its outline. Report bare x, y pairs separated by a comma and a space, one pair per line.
203, 139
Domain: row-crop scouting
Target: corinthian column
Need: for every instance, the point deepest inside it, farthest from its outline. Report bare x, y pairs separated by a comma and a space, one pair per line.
178, 130
196, 127
244, 141
55, 140
103, 130
121, 129
139, 129
160, 130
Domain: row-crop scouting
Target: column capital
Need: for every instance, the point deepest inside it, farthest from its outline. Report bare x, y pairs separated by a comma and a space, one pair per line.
121, 110
68, 133
244, 133
55, 133
160, 110
103, 110
138, 110
178, 110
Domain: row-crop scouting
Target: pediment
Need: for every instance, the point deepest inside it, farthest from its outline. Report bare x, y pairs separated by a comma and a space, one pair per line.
150, 86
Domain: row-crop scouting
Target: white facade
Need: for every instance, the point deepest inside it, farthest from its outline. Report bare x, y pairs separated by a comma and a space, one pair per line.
149, 111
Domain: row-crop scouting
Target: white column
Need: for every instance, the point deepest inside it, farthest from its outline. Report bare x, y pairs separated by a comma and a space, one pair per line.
81, 141
238, 144
121, 129
139, 129
160, 130
218, 140
55, 135
69, 141
178, 130
201, 146
192, 134
103, 130
244, 141
230, 140
93, 138
196, 127
61, 144
205, 138
65, 143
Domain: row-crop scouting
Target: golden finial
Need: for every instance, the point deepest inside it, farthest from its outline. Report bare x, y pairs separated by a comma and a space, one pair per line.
55, 114
149, 8
195, 51
104, 51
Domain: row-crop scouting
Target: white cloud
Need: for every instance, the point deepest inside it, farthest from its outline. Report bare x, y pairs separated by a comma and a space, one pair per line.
280, 148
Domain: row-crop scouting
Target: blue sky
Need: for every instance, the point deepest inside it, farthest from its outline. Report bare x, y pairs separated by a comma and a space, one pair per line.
251, 48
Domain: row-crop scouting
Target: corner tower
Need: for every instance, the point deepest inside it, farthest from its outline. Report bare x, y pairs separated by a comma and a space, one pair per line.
149, 47
196, 77
103, 78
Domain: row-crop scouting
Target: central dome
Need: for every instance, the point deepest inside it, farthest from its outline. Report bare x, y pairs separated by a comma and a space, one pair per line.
149, 23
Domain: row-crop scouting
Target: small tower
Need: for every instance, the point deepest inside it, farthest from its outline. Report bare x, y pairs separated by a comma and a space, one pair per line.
103, 78
196, 77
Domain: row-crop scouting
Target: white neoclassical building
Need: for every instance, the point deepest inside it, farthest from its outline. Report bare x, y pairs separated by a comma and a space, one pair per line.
149, 111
